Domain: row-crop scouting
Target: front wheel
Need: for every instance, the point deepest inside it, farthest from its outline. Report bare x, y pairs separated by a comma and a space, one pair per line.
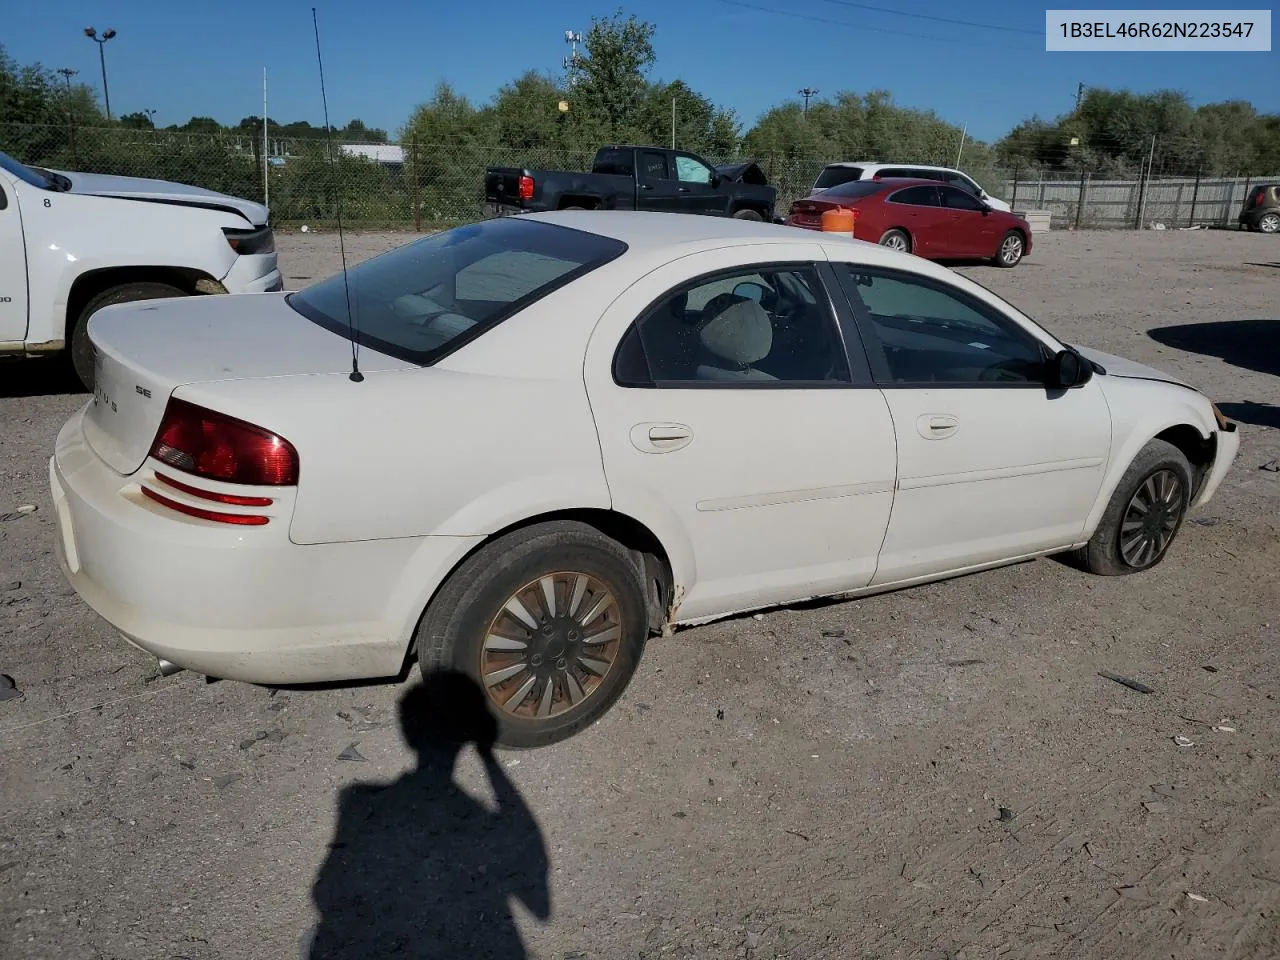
1012, 247
81, 348
1144, 515
550, 622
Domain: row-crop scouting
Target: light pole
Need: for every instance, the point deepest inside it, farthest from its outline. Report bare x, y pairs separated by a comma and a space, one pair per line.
151, 115
92, 34
807, 92
67, 74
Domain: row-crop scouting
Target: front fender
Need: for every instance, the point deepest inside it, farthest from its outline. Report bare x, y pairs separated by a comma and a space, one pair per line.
1140, 411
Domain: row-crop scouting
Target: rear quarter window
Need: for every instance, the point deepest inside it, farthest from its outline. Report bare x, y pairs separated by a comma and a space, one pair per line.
834, 176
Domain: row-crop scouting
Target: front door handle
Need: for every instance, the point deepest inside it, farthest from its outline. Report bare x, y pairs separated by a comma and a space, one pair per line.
660, 437
937, 426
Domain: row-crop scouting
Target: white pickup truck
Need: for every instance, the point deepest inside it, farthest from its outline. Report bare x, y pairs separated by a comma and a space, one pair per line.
72, 243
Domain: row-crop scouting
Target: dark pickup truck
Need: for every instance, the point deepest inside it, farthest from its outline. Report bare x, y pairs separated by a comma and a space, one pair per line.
636, 178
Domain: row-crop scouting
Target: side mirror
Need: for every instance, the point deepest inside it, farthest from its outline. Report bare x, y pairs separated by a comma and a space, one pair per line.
749, 290
1068, 369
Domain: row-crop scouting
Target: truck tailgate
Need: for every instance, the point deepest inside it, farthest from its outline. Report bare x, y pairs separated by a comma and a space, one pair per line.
502, 186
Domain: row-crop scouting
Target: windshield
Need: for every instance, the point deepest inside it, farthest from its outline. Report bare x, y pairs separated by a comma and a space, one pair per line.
26, 174
422, 301
832, 176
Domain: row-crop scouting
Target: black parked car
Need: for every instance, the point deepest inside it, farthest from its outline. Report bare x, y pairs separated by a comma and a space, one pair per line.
636, 178
1261, 210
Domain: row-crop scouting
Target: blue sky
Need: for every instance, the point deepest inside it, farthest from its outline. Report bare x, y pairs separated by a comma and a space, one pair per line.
382, 57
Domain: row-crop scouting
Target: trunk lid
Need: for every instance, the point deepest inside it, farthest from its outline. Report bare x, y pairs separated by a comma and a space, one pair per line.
808, 212
144, 351
162, 191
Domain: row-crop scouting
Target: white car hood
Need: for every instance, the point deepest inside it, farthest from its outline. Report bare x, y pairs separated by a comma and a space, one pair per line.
1120, 367
138, 188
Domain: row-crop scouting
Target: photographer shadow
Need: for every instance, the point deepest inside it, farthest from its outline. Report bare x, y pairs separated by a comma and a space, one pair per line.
418, 868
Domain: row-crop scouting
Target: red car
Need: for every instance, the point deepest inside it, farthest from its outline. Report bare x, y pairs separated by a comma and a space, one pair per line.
930, 219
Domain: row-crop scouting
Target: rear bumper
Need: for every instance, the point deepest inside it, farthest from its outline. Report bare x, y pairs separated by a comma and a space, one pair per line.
240, 603
1228, 446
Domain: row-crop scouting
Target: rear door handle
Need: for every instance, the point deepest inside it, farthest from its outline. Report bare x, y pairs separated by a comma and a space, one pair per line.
660, 437
682, 189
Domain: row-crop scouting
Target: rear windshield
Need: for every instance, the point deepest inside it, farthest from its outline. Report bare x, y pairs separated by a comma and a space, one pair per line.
422, 301
833, 176
856, 188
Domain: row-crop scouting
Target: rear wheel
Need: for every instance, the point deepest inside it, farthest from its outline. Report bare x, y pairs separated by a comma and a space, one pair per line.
747, 215
1144, 515
549, 621
1269, 223
1011, 249
896, 239
81, 349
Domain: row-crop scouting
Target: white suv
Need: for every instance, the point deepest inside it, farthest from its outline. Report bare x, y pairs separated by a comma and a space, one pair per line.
834, 174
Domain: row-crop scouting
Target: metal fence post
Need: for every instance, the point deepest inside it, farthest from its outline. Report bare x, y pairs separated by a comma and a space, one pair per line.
1195, 195
1080, 199
1013, 201
417, 187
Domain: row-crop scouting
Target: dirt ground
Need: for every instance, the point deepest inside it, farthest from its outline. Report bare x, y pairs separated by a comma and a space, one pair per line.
936, 773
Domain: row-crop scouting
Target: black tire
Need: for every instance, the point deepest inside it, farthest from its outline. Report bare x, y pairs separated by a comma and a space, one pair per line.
1269, 223
1103, 554
80, 347
1012, 246
573, 206
748, 215
455, 630
891, 238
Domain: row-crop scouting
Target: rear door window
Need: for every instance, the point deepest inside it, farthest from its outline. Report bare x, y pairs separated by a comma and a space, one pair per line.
654, 166
917, 196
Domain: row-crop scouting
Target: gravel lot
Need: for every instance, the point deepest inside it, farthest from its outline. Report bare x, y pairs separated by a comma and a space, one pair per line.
936, 773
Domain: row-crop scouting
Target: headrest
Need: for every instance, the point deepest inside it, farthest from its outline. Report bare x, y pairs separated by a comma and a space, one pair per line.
740, 333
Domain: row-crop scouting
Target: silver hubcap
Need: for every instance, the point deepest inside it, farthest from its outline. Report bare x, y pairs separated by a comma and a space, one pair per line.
1011, 249
1151, 519
895, 241
551, 645
1270, 223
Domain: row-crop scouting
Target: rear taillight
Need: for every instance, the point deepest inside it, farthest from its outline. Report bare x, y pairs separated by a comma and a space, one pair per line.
246, 242
208, 444
526, 187
1257, 198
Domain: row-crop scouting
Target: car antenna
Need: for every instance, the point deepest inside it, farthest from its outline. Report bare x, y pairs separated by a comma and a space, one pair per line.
355, 376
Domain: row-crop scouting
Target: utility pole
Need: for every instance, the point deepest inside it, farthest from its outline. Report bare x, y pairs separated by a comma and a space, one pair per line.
1079, 95
92, 34
807, 93
67, 74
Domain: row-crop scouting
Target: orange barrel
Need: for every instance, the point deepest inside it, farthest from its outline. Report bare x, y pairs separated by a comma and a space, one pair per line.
838, 220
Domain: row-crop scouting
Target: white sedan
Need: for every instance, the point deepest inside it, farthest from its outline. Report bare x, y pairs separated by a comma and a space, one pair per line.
573, 431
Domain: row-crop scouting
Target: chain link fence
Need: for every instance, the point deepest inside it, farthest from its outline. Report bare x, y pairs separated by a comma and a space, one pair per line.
428, 185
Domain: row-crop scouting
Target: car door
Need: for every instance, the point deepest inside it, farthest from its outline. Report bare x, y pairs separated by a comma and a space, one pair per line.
969, 230
695, 191
992, 464
655, 187
13, 267
919, 211
733, 424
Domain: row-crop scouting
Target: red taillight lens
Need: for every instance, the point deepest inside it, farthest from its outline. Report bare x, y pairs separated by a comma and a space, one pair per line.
213, 445
526, 188
1257, 198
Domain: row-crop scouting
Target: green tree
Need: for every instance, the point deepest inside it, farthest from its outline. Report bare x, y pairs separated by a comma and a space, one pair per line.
608, 98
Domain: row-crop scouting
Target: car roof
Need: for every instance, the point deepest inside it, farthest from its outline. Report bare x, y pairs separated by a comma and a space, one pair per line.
646, 230
894, 183
879, 164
